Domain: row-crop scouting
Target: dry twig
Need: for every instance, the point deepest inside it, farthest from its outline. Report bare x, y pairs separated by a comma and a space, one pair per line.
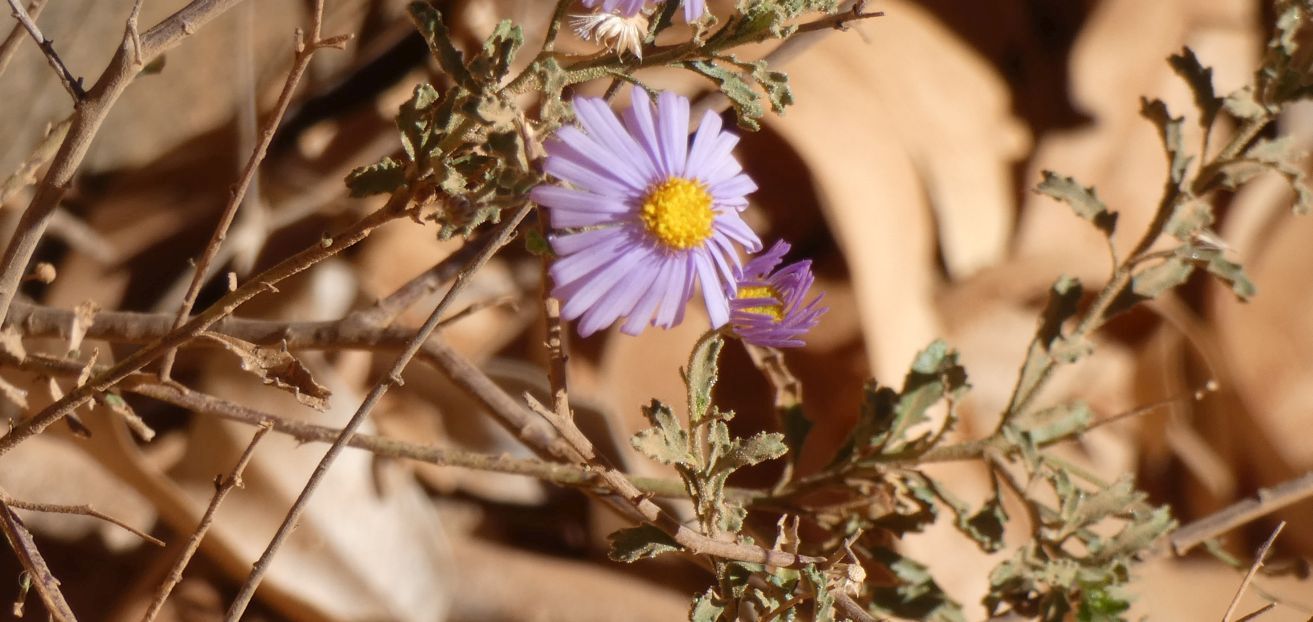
10, 45
1253, 570
306, 46
47, 586
135, 52
222, 486
77, 510
1267, 500
71, 84
392, 377
199, 323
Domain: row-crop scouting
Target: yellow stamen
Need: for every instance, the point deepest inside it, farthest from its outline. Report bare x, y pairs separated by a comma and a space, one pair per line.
678, 212
774, 312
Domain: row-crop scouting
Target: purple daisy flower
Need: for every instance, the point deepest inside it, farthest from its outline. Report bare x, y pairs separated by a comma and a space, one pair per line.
767, 307
693, 9
647, 215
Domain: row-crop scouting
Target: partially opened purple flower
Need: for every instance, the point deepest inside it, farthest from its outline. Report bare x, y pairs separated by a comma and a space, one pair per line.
647, 215
767, 307
693, 9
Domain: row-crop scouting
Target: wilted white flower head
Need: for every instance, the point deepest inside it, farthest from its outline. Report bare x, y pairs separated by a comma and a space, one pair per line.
693, 9
613, 31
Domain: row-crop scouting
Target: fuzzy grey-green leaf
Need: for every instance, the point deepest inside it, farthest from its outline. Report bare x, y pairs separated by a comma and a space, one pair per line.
382, 177
1083, 200
701, 376
666, 442
1200, 80
634, 543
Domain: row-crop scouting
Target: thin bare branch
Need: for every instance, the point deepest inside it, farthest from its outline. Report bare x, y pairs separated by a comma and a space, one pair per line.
222, 486
1267, 500
199, 323
71, 83
392, 377
306, 47
10, 45
135, 52
849, 608
78, 510
1259, 558
557, 473
47, 586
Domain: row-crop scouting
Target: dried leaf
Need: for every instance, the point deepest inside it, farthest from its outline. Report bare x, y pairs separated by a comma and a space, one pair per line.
84, 315
12, 351
278, 368
15, 395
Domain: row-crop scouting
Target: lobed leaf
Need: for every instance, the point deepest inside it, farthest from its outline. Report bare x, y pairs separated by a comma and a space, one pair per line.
383, 177
667, 442
1200, 79
1169, 130
643, 542
1081, 199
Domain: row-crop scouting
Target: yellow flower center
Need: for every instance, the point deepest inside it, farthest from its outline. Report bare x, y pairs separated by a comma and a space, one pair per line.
678, 212
774, 312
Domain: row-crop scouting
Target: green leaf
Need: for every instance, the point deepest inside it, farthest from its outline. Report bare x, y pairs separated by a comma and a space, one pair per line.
935, 374
1280, 155
1234, 275
916, 594
823, 610
755, 449
776, 85
1081, 509
1081, 199
1188, 219
1055, 423
1063, 303
1200, 80
741, 94
703, 367
383, 177
428, 20
986, 525
493, 63
796, 427
730, 518
415, 121
553, 110
1243, 105
706, 608
1101, 605
1169, 130
642, 542
1137, 536
1168, 274
667, 442
1050, 344
536, 244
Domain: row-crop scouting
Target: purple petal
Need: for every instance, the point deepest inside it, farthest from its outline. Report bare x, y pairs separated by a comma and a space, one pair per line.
641, 314
703, 141
601, 123
672, 127
712, 295
566, 245
642, 125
